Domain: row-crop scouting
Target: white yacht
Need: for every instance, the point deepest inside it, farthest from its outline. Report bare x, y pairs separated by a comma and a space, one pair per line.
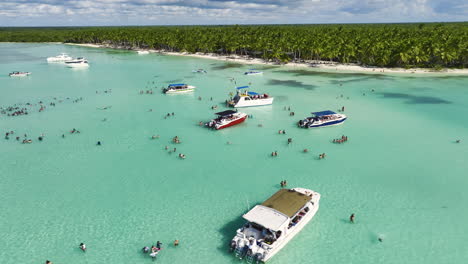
271, 225
19, 74
245, 98
322, 119
178, 88
77, 63
60, 58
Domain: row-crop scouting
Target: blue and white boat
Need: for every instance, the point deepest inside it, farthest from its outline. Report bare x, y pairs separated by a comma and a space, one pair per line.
322, 119
245, 98
253, 72
178, 88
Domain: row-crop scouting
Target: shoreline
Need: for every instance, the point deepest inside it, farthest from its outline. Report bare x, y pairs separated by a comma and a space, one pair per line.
325, 66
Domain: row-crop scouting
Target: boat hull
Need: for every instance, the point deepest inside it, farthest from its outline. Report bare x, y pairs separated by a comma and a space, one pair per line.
331, 123
180, 91
256, 102
233, 123
77, 65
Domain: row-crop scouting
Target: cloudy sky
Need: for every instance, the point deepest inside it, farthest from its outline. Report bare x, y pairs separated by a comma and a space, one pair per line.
182, 12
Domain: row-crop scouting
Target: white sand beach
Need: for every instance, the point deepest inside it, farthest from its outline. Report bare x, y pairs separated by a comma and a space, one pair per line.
316, 65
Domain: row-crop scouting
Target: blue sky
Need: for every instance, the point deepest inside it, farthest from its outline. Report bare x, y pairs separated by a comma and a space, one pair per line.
183, 12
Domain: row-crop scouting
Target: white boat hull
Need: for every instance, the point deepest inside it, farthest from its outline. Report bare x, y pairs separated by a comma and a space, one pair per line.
77, 65
20, 75
255, 102
189, 89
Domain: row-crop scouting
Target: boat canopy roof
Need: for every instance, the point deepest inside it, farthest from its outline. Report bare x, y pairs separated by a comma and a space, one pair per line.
266, 217
242, 87
288, 202
226, 113
323, 113
252, 93
176, 84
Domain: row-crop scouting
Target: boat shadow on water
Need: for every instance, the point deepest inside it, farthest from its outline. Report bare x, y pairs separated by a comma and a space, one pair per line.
228, 231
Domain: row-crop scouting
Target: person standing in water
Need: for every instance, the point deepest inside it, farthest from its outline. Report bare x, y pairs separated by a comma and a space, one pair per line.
351, 218
83, 247
176, 243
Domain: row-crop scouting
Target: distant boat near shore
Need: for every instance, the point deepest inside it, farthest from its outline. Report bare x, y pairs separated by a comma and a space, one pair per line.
77, 63
60, 58
19, 74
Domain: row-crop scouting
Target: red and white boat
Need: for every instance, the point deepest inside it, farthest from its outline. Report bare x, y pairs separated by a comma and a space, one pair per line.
226, 119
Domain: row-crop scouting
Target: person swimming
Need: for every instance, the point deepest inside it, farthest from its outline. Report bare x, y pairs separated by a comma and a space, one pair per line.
158, 245
351, 218
83, 247
98, 143
176, 243
145, 249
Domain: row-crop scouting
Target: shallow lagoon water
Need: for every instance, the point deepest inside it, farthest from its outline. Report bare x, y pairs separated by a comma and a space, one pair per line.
401, 172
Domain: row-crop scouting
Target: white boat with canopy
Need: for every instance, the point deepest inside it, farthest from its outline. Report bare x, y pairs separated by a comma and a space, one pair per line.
245, 98
77, 63
178, 88
60, 58
271, 225
322, 119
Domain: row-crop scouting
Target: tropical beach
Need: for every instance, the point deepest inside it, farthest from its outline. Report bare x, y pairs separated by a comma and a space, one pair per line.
228, 143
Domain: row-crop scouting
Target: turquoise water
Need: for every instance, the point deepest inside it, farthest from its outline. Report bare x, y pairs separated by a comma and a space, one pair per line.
401, 171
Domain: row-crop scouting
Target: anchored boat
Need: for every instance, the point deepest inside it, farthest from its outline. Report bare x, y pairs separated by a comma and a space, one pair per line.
272, 224
178, 88
226, 119
60, 58
322, 119
77, 63
245, 98
253, 72
19, 74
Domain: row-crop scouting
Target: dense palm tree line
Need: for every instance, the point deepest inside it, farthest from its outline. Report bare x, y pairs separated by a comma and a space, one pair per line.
392, 45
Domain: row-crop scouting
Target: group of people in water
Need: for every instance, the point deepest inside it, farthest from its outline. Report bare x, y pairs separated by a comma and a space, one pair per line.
150, 91
283, 183
340, 140
322, 156
153, 251
19, 110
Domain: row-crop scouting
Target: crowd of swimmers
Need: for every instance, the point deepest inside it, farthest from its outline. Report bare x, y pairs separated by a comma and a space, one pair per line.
17, 110
340, 140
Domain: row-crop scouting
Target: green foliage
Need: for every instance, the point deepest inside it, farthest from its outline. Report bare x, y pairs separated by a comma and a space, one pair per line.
390, 45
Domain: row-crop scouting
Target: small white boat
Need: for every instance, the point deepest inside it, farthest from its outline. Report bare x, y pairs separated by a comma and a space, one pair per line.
60, 58
247, 98
226, 119
253, 72
142, 52
178, 88
271, 225
19, 74
199, 71
77, 63
322, 119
